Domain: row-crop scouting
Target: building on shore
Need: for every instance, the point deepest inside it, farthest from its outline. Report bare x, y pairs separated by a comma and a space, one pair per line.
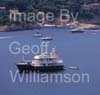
2, 8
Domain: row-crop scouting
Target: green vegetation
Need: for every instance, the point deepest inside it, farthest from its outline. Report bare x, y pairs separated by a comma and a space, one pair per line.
45, 6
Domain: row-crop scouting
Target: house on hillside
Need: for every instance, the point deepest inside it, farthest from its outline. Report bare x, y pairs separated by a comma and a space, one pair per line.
2, 8
91, 7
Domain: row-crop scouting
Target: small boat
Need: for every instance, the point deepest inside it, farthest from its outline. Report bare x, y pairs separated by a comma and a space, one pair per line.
49, 25
43, 63
77, 30
37, 34
47, 38
59, 26
76, 68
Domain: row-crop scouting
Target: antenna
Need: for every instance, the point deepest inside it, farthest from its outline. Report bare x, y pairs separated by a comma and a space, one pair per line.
23, 59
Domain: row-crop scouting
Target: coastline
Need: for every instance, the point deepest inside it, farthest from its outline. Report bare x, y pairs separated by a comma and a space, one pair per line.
83, 25
14, 27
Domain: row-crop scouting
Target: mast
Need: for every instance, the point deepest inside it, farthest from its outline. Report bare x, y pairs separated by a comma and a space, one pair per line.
23, 58
46, 41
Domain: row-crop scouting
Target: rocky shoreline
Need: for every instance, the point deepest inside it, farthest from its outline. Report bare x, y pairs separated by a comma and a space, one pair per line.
14, 27
85, 26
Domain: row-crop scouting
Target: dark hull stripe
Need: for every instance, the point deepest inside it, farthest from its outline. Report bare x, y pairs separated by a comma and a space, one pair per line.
45, 68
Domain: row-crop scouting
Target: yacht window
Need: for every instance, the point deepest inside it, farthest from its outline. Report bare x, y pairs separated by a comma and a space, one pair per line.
50, 59
41, 59
44, 64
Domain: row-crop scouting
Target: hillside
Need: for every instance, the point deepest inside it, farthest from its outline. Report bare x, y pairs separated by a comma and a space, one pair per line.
89, 10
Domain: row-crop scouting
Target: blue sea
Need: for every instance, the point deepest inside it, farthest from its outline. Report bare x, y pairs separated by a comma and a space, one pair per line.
76, 49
